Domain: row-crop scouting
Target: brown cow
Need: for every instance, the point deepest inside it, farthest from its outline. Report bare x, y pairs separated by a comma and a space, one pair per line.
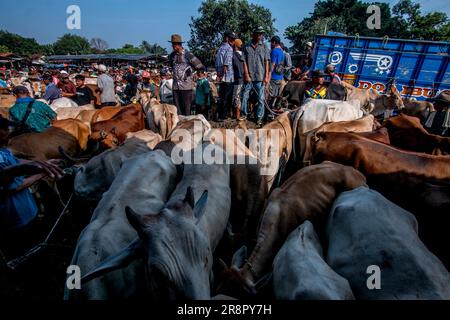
76, 128
281, 143
364, 124
406, 132
43, 145
110, 133
307, 195
418, 182
375, 158
105, 113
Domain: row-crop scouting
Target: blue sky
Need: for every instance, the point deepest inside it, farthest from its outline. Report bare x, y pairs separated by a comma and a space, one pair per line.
122, 21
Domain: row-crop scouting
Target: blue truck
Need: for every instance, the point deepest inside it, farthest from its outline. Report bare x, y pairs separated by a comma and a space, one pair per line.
420, 69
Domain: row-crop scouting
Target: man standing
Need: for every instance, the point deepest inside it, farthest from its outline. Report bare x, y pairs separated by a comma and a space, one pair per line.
224, 68
106, 86
256, 70
30, 114
438, 122
277, 69
51, 91
330, 70
183, 62
238, 72
287, 63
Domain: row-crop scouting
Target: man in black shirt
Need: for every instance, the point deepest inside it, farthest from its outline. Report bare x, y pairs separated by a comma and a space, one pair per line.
83, 95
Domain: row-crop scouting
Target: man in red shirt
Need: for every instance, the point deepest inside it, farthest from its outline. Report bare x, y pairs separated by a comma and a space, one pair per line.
67, 87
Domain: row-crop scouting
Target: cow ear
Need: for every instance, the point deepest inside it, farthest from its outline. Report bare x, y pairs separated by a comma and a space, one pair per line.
103, 134
135, 220
122, 259
200, 206
239, 257
189, 198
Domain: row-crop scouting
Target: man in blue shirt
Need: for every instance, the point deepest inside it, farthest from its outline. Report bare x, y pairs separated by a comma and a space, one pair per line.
51, 90
277, 68
17, 206
39, 116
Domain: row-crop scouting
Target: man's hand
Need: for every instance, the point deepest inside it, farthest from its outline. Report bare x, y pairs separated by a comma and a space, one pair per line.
247, 78
266, 80
48, 168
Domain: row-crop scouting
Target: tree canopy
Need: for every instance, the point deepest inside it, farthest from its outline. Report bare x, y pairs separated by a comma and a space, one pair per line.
404, 20
152, 48
219, 16
72, 44
18, 44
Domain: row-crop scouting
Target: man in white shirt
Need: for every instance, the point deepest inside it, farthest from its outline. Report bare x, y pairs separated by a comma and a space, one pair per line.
165, 88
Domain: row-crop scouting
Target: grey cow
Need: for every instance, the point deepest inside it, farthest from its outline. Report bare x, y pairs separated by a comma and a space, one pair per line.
178, 242
300, 272
97, 175
145, 183
366, 230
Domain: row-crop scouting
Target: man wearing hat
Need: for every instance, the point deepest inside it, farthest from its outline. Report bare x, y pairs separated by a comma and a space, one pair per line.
330, 70
316, 89
30, 114
106, 86
438, 122
256, 70
224, 68
66, 86
238, 73
183, 64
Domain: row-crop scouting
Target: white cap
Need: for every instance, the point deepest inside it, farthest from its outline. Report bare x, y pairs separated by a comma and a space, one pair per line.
309, 44
63, 72
101, 68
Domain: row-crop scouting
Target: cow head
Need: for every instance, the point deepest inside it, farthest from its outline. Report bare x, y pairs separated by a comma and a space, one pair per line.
393, 100
108, 140
177, 253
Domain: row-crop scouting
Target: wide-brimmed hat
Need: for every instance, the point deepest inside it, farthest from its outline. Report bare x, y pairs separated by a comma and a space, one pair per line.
318, 74
444, 97
176, 38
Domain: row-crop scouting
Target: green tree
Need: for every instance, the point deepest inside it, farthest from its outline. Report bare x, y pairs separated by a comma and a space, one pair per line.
4, 49
414, 25
127, 49
18, 44
152, 48
218, 16
349, 16
301, 33
72, 44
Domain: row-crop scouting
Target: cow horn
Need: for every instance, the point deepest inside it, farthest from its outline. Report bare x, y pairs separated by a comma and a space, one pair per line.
239, 257
120, 260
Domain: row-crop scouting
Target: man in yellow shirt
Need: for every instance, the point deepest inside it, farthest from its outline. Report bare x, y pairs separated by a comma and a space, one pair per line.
317, 88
